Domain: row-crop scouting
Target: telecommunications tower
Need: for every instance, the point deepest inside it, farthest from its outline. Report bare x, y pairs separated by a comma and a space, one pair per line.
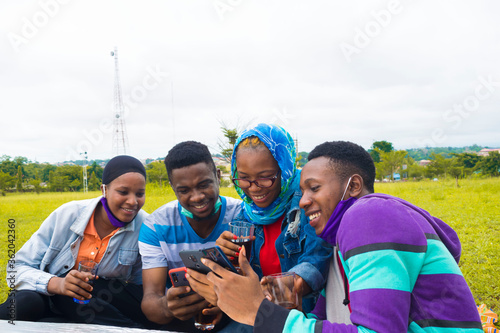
84, 171
120, 141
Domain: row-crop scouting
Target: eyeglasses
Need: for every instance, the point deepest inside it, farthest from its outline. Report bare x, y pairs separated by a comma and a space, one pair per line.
260, 182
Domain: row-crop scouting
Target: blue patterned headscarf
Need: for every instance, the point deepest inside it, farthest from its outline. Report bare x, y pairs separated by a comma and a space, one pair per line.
281, 145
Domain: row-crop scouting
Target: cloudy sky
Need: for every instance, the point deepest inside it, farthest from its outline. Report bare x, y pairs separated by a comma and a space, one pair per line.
416, 73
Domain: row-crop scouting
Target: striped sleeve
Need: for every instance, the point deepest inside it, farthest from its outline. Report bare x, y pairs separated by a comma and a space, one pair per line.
398, 271
382, 255
319, 311
273, 318
151, 252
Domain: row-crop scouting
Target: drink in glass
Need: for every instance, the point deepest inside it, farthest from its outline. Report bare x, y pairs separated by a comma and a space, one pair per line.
89, 266
281, 287
244, 233
204, 322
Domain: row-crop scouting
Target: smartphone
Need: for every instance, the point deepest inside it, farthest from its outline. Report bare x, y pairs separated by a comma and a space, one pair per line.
192, 259
178, 279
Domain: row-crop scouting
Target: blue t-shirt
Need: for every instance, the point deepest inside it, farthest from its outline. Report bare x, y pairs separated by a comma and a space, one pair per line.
166, 232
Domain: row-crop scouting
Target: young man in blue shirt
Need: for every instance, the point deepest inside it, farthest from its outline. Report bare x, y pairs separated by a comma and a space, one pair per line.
194, 221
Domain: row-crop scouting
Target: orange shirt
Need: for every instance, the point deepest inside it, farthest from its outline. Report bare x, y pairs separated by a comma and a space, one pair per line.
92, 246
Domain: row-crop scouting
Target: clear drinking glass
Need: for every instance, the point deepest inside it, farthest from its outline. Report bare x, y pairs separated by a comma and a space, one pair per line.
89, 266
204, 322
281, 288
244, 232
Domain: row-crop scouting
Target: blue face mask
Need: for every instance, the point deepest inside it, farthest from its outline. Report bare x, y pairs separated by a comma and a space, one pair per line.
216, 209
329, 233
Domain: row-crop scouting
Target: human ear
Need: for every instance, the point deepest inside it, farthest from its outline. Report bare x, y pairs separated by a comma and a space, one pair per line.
356, 186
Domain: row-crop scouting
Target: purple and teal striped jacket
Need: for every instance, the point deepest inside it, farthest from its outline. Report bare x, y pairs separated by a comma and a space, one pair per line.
402, 268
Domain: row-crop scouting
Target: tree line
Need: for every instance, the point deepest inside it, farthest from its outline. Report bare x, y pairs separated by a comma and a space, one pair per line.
21, 175
444, 161
390, 162
18, 174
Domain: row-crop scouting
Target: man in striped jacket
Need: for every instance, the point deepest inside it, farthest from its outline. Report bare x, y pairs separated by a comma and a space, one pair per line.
399, 263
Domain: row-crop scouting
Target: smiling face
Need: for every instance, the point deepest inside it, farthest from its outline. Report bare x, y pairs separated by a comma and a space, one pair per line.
321, 191
197, 188
126, 195
254, 163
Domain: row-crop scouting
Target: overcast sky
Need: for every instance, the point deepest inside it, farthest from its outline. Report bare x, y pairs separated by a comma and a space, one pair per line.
415, 73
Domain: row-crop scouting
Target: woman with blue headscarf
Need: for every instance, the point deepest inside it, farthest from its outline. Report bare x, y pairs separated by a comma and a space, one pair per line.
264, 172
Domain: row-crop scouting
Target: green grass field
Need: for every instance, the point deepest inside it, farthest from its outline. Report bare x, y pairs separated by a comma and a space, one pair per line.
473, 210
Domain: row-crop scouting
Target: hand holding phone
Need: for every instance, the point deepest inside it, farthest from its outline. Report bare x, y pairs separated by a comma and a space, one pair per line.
192, 259
178, 279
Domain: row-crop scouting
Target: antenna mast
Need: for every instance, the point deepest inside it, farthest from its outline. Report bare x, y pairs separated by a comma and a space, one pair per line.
84, 171
120, 141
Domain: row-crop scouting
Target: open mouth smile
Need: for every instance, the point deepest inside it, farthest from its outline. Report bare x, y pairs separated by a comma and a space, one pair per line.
200, 207
314, 218
259, 198
128, 210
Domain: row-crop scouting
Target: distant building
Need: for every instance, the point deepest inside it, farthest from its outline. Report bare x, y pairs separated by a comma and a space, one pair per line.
424, 162
220, 161
65, 163
486, 151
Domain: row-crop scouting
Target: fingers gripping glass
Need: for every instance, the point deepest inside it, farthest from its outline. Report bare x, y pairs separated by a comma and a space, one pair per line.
264, 182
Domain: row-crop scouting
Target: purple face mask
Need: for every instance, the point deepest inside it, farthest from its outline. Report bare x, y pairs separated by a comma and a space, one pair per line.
114, 221
329, 233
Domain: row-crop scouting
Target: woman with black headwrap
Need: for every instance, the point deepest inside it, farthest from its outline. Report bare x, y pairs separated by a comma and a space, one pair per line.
105, 230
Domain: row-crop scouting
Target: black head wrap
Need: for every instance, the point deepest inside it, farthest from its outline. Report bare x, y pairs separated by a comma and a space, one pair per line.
120, 165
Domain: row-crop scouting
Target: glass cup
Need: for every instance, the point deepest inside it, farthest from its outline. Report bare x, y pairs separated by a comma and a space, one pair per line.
89, 266
282, 289
244, 233
204, 322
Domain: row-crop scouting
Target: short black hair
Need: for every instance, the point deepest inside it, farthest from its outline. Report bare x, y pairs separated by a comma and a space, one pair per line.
348, 158
188, 153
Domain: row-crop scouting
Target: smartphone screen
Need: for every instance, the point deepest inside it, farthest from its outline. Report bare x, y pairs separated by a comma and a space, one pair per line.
192, 259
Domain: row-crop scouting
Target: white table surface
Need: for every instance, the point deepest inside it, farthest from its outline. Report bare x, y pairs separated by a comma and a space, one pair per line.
39, 327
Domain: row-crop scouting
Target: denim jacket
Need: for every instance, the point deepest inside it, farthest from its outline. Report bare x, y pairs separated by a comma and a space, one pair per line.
298, 247
53, 248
